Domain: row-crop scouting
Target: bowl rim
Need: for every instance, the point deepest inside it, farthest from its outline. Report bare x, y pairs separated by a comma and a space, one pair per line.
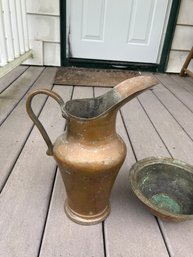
135, 169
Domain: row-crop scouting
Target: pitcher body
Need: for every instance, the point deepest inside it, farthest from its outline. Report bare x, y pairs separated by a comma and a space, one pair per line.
90, 153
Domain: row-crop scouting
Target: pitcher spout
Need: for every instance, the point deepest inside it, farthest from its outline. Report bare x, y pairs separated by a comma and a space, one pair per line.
93, 108
134, 86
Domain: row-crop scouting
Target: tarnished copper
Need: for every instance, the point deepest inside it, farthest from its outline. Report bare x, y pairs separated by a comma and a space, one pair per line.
90, 152
165, 186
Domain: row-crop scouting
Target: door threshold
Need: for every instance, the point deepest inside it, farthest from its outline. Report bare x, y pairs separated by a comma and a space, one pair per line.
104, 64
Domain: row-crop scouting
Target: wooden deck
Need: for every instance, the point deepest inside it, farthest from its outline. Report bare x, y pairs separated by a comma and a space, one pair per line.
32, 221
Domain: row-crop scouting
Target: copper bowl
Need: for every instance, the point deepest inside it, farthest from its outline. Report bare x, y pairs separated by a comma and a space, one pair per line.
165, 186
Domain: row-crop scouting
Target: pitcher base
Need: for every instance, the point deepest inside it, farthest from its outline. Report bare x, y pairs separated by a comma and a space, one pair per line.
85, 219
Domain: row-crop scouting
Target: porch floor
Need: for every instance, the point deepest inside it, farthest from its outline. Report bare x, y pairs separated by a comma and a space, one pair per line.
32, 221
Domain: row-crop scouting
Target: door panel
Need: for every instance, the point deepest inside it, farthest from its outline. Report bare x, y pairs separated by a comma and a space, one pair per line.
124, 30
140, 22
93, 20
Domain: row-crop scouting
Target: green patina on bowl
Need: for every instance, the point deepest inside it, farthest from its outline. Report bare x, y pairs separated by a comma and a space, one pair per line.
165, 186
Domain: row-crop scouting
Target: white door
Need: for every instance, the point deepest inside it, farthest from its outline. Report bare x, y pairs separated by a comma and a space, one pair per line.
117, 30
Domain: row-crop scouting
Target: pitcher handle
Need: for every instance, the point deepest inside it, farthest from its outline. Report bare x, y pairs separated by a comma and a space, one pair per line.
35, 118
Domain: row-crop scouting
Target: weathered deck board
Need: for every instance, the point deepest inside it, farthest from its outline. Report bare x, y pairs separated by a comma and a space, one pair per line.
14, 93
189, 80
126, 226
174, 137
14, 132
178, 110
177, 89
177, 235
26, 195
32, 219
145, 140
183, 83
11, 77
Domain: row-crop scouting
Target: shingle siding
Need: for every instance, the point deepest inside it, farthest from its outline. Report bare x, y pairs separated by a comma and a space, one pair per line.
183, 37
44, 23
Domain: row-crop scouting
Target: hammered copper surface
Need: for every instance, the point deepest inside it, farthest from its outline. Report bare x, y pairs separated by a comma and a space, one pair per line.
90, 152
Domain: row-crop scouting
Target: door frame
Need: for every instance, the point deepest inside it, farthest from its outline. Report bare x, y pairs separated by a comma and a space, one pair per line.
91, 63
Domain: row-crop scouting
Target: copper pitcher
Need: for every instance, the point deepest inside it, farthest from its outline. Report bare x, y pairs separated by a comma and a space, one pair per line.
90, 152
